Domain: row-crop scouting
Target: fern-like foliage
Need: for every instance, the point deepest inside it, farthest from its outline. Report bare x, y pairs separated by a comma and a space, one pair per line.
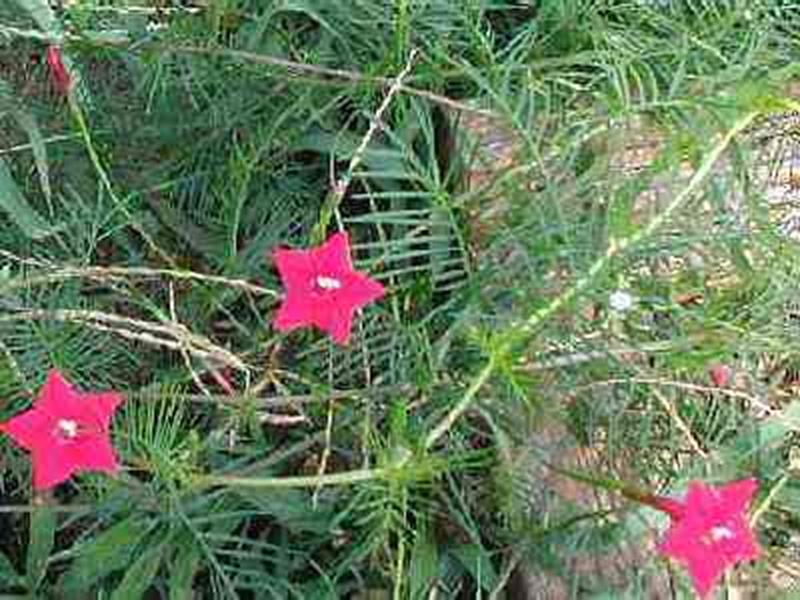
508, 171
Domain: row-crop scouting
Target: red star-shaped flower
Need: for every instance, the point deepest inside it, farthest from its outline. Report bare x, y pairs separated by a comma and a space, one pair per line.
65, 432
710, 532
322, 289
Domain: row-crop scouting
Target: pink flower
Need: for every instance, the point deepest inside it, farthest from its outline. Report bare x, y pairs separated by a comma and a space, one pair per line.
322, 289
709, 530
65, 432
720, 375
61, 79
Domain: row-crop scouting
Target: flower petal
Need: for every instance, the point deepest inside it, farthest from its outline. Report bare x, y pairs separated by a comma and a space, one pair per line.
738, 494
293, 313
337, 321
57, 397
51, 466
94, 453
333, 257
30, 429
296, 269
359, 290
706, 571
102, 407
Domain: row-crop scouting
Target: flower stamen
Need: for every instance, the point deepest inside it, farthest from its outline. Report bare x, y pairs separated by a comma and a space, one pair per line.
721, 533
67, 428
328, 283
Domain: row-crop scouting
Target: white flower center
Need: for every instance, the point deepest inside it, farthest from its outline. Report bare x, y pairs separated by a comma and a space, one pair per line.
328, 283
67, 428
720, 533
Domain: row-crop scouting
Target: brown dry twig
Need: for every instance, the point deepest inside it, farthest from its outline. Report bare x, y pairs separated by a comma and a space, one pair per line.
341, 185
170, 335
56, 273
760, 404
322, 73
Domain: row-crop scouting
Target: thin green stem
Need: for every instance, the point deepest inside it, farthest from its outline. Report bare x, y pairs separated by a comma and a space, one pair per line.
59, 508
399, 579
97, 163
767, 502
466, 401
299, 481
615, 486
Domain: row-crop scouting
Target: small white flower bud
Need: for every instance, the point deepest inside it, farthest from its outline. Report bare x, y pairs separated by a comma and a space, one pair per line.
620, 301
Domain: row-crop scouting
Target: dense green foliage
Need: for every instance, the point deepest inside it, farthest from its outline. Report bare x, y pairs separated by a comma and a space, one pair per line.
137, 220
